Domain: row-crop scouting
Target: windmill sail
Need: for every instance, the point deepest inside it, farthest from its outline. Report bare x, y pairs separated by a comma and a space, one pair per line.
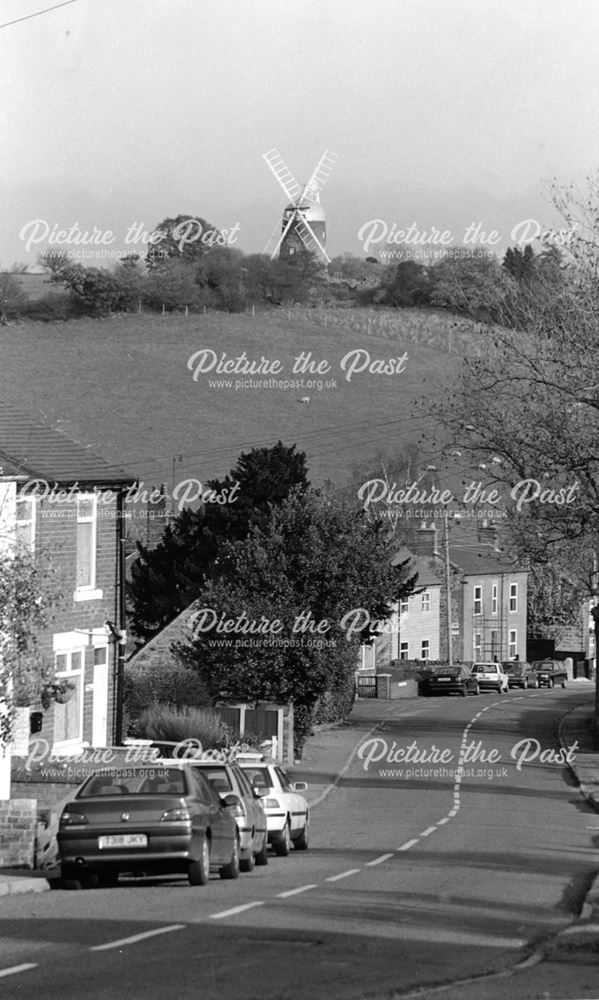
284, 176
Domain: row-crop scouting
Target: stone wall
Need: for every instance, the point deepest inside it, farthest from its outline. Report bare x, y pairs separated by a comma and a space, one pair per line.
18, 824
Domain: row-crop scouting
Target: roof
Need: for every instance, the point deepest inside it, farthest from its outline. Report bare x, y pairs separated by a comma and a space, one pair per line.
481, 560
29, 447
158, 650
422, 565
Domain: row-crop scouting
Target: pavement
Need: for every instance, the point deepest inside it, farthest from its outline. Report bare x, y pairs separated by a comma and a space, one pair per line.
329, 753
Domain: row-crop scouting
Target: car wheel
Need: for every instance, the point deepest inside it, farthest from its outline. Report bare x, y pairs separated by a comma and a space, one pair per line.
232, 869
301, 842
477, 689
463, 691
247, 864
283, 845
262, 855
68, 880
564, 683
198, 872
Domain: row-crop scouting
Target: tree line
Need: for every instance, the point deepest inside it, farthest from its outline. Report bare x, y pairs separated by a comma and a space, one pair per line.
196, 275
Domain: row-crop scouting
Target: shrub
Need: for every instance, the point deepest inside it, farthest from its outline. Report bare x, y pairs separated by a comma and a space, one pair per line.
158, 722
336, 704
49, 308
172, 685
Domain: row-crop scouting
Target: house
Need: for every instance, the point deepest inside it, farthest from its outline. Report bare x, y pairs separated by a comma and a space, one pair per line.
60, 500
488, 604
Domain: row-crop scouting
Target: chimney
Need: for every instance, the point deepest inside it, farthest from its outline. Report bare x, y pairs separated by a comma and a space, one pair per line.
425, 541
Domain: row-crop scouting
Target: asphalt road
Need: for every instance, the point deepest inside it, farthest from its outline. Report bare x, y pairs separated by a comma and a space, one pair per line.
415, 877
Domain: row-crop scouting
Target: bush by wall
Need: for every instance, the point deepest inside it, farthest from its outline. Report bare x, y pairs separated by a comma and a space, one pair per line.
162, 723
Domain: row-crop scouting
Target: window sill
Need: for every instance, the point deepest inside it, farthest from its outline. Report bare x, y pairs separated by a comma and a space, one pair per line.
88, 595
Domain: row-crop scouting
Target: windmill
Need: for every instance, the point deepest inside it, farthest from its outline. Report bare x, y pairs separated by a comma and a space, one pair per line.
303, 219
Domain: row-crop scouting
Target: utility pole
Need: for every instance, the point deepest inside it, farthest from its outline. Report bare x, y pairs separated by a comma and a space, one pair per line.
447, 585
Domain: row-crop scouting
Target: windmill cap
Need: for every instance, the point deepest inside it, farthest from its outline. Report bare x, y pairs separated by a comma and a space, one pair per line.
312, 211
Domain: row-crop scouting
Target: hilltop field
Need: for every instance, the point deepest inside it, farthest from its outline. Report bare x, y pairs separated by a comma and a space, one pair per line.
123, 386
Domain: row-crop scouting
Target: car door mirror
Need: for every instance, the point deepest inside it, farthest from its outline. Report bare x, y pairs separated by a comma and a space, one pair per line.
260, 792
300, 786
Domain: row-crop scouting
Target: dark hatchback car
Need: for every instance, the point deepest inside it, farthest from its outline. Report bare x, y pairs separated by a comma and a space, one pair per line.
520, 674
146, 821
550, 672
456, 679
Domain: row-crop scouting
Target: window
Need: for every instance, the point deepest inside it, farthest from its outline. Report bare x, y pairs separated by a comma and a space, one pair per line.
425, 601
86, 542
403, 651
25, 523
477, 645
513, 596
494, 599
477, 604
68, 719
512, 644
404, 606
85, 574
425, 651
494, 643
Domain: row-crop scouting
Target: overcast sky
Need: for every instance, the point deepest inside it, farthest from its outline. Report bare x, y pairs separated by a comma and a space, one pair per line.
441, 113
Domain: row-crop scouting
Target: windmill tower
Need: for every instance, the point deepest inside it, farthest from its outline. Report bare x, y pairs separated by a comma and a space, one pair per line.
303, 219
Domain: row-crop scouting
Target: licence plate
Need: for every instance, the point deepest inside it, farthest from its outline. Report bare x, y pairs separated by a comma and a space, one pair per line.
445, 680
123, 840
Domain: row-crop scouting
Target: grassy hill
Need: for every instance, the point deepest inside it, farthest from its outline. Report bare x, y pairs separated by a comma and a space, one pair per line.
122, 386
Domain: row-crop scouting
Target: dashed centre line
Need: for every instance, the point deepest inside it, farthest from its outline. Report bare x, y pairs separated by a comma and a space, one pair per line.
236, 909
379, 861
408, 844
18, 968
137, 937
335, 878
295, 892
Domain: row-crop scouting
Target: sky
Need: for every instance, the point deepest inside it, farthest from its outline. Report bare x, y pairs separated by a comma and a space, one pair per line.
442, 114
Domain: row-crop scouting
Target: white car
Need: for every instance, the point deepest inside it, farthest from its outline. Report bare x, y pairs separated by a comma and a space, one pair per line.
287, 813
491, 675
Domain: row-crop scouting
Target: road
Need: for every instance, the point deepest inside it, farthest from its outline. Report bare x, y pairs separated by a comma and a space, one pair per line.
414, 877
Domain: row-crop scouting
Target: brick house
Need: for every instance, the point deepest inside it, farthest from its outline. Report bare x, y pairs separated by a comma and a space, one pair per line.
59, 499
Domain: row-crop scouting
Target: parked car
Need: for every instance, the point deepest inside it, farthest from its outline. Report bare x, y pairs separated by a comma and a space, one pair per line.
491, 677
456, 679
550, 672
245, 805
520, 674
287, 812
147, 821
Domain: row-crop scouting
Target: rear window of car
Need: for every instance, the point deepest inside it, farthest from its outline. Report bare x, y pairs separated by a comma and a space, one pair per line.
258, 776
219, 778
485, 668
133, 781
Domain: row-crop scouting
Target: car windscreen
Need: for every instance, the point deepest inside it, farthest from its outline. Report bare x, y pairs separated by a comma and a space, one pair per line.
135, 781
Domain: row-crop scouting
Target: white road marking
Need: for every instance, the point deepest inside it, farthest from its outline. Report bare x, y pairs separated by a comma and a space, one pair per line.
445, 819
335, 878
453, 812
427, 833
234, 910
294, 892
137, 937
18, 968
407, 845
378, 861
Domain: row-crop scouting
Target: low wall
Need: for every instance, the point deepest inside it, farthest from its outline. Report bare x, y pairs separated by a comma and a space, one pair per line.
18, 825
